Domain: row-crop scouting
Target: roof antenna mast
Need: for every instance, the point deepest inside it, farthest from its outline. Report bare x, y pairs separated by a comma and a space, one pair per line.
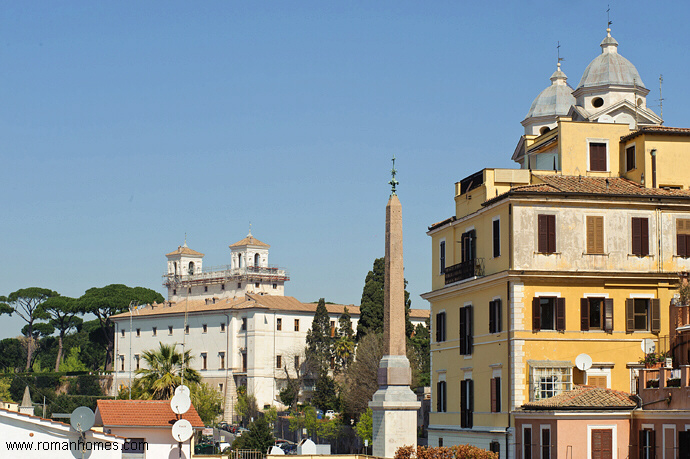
608, 17
661, 99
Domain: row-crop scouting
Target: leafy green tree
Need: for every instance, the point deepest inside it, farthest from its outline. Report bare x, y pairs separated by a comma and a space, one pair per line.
344, 347
26, 303
364, 427
325, 396
107, 301
418, 352
72, 361
319, 341
63, 317
307, 420
260, 437
371, 305
207, 401
39, 330
5, 394
12, 354
290, 393
361, 377
163, 371
246, 408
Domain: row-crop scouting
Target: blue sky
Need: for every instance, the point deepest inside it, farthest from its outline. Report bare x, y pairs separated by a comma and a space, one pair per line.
128, 124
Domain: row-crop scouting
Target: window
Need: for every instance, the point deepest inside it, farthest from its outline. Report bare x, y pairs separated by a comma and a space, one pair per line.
174, 291
122, 332
442, 256
597, 157
186, 329
204, 328
527, 442
279, 361
545, 445
133, 446
296, 324
221, 356
332, 328
495, 319
595, 234
630, 158
122, 363
136, 360
155, 331
170, 329
466, 330
441, 396
244, 324
189, 290
547, 233
138, 332
244, 362
204, 361
256, 284
275, 286
647, 444
497, 237
469, 245
596, 314
466, 403
640, 237
440, 327
222, 286
683, 237
548, 313
598, 381
642, 314
220, 387
279, 324
239, 285
547, 381
222, 327
602, 444
495, 395
205, 288
297, 362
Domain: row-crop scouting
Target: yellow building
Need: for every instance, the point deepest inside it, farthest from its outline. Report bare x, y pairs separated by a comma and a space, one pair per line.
577, 252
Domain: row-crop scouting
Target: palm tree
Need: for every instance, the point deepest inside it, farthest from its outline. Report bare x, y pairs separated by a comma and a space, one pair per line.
162, 375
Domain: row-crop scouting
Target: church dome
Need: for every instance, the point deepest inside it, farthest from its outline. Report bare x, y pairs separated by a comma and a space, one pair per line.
554, 100
610, 68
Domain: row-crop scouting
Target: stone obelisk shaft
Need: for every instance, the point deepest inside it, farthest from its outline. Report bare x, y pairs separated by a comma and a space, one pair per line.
394, 293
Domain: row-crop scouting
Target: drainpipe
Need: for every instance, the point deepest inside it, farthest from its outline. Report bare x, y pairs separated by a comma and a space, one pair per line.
653, 153
509, 311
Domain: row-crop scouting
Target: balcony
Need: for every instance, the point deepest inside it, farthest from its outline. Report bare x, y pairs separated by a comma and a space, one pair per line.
225, 273
464, 270
665, 388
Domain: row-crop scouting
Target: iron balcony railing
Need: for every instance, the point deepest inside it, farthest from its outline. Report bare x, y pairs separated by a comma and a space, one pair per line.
464, 270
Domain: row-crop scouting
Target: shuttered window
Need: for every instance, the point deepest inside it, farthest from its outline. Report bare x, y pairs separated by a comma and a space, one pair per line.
440, 327
643, 314
548, 313
495, 395
683, 237
495, 319
466, 330
527, 443
647, 444
595, 234
497, 238
630, 158
466, 403
640, 237
602, 444
441, 396
547, 233
545, 443
442, 256
596, 314
597, 157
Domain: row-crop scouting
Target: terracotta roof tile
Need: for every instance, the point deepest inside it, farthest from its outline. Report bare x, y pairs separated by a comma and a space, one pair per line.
587, 398
249, 240
144, 413
664, 130
604, 185
184, 250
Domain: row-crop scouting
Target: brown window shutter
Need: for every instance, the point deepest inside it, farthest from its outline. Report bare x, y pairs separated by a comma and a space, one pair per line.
470, 331
536, 314
463, 332
608, 314
584, 314
552, 233
492, 317
560, 314
656, 315
629, 316
597, 156
682, 250
636, 236
644, 236
493, 395
543, 245
499, 316
599, 234
591, 235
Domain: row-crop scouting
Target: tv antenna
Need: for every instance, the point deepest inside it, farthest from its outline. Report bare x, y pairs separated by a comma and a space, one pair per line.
661, 98
608, 16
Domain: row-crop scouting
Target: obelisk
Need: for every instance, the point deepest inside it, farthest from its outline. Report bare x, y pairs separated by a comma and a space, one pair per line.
394, 405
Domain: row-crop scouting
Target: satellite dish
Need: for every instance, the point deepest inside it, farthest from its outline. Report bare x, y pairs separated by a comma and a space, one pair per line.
180, 403
648, 346
182, 390
182, 430
583, 362
82, 419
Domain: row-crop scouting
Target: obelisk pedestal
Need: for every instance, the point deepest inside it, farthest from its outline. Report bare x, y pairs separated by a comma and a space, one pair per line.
394, 405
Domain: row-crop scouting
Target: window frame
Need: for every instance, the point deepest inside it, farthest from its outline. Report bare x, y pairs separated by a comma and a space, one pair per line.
607, 162
496, 394
466, 403
652, 314
683, 237
495, 316
296, 325
496, 236
541, 389
279, 324
545, 450
630, 159
440, 324
221, 358
594, 231
640, 236
466, 330
279, 362
442, 256
546, 233
441, 396
558, 313
606, 313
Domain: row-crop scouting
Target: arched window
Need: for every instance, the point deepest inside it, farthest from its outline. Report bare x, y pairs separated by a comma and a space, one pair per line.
256, 259
175, 265
239, 260
191, 268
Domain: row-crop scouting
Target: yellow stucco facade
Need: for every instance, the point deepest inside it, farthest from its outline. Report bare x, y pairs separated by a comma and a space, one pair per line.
568, 261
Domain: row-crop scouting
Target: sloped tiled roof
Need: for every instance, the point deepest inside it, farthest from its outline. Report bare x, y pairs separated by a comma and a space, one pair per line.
585, 398
249, 240
142, 413
184, 250
667, 130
